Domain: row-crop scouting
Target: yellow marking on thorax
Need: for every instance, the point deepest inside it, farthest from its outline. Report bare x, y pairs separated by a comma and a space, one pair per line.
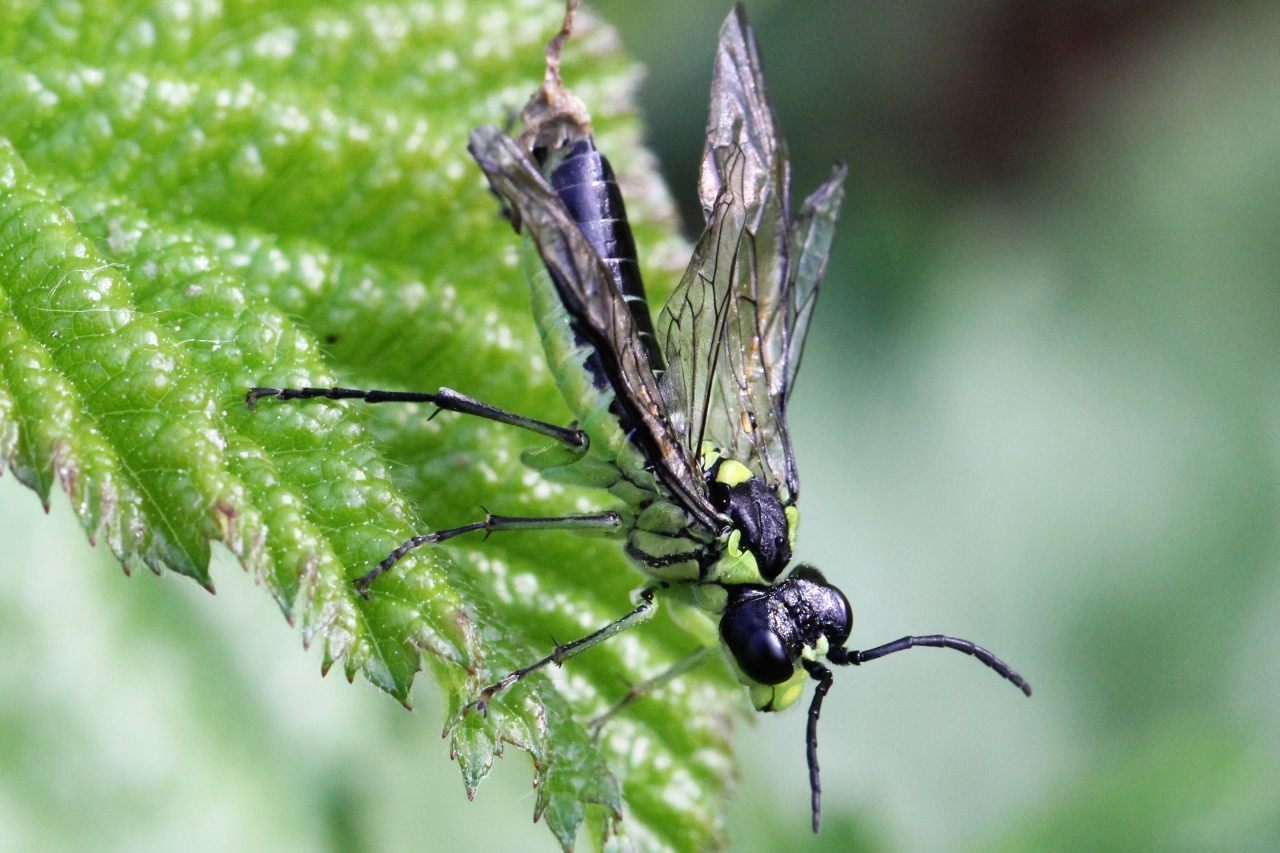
733, 473
707, 455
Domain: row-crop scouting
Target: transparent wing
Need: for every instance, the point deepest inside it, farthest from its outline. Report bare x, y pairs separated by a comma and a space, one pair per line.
599, 311
698, 316
811, 235
735, 326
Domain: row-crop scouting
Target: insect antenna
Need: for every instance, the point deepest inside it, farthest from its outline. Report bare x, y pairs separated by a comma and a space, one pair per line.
844, 656
824, 678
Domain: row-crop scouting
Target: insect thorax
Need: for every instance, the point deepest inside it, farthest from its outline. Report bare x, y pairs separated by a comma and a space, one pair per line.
753, 549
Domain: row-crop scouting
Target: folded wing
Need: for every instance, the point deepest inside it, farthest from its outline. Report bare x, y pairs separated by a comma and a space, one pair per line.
599, 312
733, 330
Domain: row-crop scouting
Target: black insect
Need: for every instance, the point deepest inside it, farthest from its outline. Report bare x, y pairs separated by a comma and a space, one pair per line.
683, 420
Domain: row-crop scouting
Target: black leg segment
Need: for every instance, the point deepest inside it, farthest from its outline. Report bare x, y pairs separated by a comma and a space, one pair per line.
642, 613
937, 641
608, 522
644, 688
445, 398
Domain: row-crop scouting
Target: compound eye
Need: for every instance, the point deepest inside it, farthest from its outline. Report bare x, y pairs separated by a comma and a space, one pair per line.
764, 659
756, 647
842, 619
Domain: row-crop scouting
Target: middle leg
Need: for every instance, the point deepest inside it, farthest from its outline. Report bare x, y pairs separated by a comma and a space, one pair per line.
609, 522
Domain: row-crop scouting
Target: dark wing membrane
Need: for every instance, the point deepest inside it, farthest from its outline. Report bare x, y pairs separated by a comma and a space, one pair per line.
599, 311
730, 323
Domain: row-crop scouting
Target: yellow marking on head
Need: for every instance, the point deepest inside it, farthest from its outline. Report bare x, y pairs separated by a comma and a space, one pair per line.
785, 695
776, 697
761, 696
817, 650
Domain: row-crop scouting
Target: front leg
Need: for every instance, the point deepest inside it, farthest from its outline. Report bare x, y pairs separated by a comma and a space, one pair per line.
445, 398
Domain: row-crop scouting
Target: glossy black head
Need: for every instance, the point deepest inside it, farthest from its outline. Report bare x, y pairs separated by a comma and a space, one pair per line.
756, 511
767, 628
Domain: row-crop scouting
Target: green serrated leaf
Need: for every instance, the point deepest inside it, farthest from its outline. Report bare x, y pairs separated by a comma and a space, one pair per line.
200, 198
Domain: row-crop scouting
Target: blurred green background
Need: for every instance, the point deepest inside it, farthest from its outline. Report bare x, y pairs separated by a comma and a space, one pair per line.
1040, 409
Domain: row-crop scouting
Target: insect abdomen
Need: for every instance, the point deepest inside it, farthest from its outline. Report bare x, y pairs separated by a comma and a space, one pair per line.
585, 183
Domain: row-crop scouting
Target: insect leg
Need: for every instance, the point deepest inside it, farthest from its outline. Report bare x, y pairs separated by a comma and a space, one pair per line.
445, 398
643, 612
822, 675
636, 691
937, 641
606, 521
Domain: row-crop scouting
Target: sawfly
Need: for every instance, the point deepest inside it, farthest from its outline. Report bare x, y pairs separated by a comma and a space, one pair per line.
683, 420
